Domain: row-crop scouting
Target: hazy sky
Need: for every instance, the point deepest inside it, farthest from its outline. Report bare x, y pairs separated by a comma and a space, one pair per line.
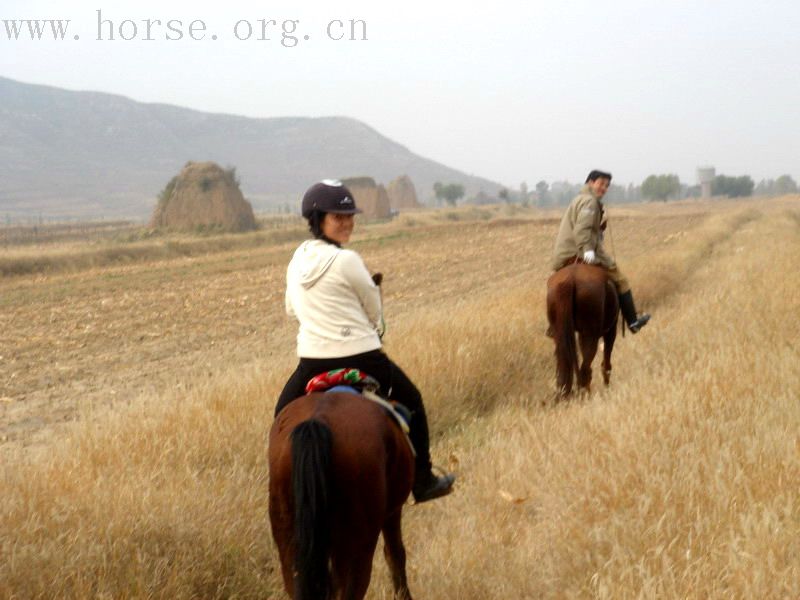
512, 91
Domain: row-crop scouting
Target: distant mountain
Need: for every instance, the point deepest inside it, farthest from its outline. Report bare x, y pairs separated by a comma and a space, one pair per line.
90, 154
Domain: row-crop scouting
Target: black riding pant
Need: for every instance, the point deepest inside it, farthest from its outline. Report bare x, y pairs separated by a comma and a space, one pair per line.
395, 385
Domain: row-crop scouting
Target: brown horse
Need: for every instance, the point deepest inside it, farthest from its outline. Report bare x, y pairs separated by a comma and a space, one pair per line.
581, 299
340, 472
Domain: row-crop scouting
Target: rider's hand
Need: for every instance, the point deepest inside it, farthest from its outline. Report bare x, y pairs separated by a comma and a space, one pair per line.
589, 257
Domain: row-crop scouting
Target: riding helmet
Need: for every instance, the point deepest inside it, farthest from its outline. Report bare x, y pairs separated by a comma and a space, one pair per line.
329, 196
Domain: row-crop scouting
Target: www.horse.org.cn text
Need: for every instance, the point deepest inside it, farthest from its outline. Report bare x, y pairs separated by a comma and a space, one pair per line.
288, 33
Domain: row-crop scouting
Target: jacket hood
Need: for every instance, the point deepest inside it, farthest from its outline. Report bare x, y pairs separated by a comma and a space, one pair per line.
311, 260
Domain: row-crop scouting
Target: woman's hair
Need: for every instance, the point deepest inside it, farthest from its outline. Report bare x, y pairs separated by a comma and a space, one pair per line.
315, 223
315, 219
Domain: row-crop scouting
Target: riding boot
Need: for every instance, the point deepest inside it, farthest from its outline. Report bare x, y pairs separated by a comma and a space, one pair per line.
427, 485
628, 309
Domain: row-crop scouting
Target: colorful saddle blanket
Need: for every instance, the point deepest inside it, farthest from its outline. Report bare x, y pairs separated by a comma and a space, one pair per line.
349, 377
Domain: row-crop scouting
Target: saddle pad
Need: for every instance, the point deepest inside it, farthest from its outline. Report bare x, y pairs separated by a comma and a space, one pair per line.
352, 377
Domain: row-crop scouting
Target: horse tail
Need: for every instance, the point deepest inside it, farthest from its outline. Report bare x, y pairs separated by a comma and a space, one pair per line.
312, 451
566, 349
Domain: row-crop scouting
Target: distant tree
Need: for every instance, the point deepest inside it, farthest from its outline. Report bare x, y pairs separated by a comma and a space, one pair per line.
633, 193
562, 192
615, 193
694, 191
785, 185
776, 187
524, 196
733, 187
503, 195
542, 188
661, 187
450, 193
438, 191
765, 187
481, 198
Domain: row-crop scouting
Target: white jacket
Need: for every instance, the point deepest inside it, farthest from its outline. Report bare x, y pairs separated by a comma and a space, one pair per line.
331, 293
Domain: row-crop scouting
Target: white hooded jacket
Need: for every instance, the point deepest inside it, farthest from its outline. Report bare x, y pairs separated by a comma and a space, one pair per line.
331, 293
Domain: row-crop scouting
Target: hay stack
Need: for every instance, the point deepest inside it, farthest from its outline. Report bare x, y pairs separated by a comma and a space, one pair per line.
402, 193
203, 195
370, 198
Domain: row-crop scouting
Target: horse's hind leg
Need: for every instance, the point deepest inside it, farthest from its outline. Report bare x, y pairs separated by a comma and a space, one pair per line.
282, 524
352, 574
608, 345
351, 559
588, 350
395, 553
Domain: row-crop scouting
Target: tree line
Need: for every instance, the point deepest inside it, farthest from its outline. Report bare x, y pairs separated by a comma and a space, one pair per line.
655, 187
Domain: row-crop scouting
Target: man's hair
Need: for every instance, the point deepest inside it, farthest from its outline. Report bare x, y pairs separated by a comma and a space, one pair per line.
595, 174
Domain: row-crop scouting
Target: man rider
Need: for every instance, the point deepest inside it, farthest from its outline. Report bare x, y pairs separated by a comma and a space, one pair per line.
580, 237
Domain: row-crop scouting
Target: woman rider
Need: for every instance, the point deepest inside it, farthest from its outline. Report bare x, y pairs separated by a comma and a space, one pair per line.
331, 293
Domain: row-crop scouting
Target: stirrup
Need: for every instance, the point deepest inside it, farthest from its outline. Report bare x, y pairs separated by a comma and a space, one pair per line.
640, 322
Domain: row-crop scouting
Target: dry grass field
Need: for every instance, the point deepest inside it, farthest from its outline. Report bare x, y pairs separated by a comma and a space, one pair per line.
137, 389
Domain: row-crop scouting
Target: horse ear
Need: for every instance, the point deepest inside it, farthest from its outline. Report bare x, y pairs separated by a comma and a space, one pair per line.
377, 278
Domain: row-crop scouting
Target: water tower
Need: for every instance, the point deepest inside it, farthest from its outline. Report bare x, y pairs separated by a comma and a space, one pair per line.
705, 177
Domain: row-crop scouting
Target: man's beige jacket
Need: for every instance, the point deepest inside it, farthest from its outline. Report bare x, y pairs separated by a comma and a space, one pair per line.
580, 231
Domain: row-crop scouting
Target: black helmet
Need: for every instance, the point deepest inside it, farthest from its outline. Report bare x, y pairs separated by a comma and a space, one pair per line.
329, 196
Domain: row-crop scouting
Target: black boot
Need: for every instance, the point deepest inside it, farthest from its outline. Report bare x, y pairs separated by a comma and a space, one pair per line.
629, 312
428, 486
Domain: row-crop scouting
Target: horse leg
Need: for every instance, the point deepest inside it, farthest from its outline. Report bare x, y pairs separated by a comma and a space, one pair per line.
608, 345
395, 553
281, 516
352, 572
565, 370
588, 345
351, 560
282, 533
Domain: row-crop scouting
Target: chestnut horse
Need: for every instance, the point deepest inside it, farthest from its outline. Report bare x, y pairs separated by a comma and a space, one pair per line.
340, 471
581, 299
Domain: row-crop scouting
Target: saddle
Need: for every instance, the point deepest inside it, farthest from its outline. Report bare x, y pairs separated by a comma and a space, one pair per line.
354, 381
